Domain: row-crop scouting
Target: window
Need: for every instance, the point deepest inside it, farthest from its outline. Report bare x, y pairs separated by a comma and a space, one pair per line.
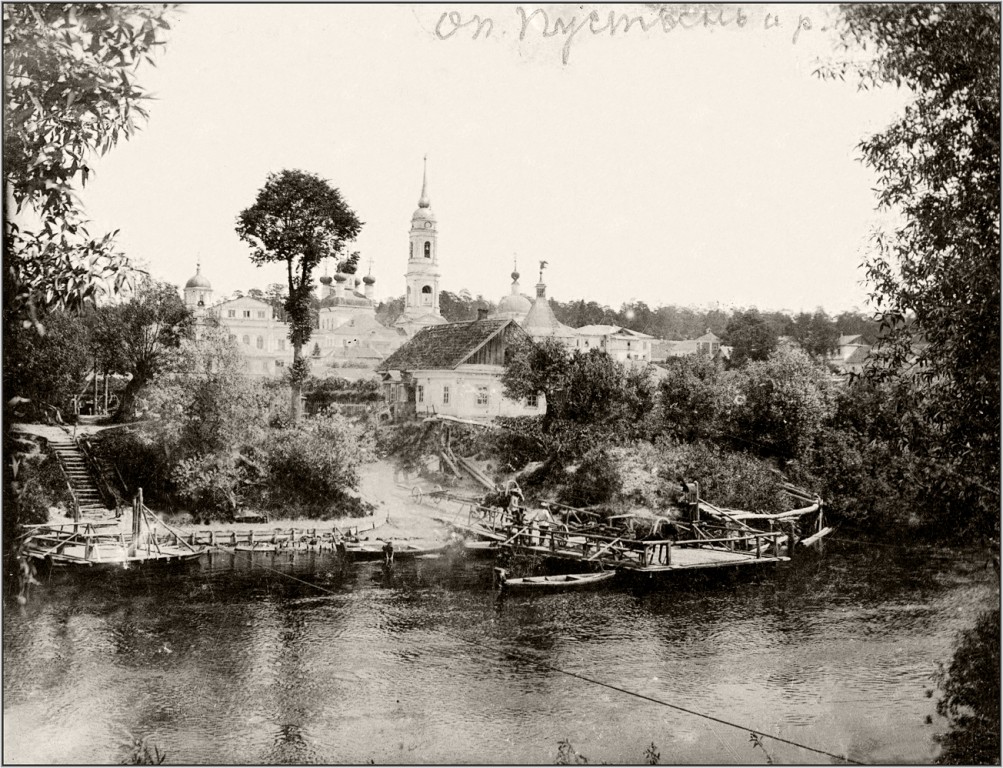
261, 314
231, 313
246, 340
421, 393
533, 401
282, 345
261, 342
428, 250
411, 254
246, 313
426, 294
445, 394
482, 395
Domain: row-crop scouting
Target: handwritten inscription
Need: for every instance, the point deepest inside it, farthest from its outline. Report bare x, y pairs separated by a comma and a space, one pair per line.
547, 25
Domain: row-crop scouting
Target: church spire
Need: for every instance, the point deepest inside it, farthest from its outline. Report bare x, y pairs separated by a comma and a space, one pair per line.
423, 201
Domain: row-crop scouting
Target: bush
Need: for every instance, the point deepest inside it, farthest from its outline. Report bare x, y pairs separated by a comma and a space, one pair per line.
691, 397
596, 481
313, 464
208, 485
726, 478
785, 402
971, 701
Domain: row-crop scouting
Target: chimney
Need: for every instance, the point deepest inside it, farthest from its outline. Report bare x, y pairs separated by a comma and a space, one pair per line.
482, 313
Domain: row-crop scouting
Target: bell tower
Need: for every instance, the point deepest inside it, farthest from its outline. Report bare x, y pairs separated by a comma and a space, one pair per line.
421, 302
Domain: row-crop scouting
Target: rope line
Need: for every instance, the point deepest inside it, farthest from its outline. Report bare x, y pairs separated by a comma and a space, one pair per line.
522, 655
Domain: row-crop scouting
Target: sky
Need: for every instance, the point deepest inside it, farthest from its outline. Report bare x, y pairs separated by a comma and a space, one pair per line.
695, 165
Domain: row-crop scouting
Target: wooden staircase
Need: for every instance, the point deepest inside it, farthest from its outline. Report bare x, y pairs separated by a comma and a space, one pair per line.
86, 493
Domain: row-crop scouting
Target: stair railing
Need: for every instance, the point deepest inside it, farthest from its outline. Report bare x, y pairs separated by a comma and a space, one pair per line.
69, 487
107, 490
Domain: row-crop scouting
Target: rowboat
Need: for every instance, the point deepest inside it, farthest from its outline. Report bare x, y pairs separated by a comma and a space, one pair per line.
369, 552
554, 583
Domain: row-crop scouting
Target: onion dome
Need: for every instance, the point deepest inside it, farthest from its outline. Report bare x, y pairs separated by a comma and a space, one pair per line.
325, 280
369, 279
358, 282
198, 280
340, 278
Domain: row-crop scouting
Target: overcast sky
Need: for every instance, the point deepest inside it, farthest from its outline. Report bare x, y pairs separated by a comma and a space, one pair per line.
688, 166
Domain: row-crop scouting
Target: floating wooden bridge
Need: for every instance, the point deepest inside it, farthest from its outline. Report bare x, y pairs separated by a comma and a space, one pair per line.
653, 556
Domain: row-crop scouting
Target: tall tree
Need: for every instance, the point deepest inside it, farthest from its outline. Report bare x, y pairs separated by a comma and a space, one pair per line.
935, 278
300, 219
816, 333
752, 338
146, 328
70, 90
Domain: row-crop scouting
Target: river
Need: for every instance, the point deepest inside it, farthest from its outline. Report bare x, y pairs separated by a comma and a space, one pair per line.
294, 660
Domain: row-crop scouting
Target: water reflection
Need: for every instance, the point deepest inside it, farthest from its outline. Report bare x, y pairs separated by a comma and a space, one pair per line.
306, 659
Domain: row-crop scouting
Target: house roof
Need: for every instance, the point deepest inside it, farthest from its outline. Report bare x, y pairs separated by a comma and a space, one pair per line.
850, 339
439, 347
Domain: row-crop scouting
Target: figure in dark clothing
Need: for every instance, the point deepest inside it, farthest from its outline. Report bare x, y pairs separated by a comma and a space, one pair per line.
388, 553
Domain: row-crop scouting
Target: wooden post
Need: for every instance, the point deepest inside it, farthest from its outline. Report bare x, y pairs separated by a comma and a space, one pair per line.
137, 513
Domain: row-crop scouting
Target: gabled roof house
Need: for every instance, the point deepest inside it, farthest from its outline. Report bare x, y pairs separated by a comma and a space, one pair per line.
455, 369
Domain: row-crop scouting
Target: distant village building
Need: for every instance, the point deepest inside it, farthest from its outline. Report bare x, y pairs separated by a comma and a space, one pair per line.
851, 354
455, 369
709, 344
631, 348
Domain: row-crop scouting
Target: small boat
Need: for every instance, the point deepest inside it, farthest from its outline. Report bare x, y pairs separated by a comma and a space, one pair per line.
261, 546
373, 551
481, 548
556, 582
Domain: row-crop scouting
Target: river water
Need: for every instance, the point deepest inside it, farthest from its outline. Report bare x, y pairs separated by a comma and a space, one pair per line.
294, 660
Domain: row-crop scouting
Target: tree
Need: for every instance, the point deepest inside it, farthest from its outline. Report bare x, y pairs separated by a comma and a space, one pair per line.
70, 90
691, 397
300, 219
784, 403
47, 369
145, 328
935, 278
816, 333
591, 398
750, 336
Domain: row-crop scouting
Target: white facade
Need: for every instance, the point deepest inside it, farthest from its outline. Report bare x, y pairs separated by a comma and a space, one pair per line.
261, 339
623, 345
469, 391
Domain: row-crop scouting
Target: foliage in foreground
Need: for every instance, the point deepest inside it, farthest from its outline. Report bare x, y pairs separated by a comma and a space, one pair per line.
935, 276
971, 700
70, 91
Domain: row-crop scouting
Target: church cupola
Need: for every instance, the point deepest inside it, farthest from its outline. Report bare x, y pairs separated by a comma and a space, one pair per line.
198, 290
